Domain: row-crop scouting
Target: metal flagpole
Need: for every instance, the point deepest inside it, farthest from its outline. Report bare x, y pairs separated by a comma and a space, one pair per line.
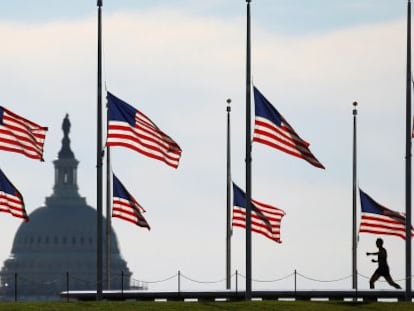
248, 161
99, 162
354, 201
108, 205
408, 155
228, 222
108, 216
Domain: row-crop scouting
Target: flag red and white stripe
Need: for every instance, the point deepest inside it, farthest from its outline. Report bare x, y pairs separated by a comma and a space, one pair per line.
125, 206
266, 219
130, 128
382, 225
284, 139
273, 130
379, 220
20, 135
11, 201
128, 211
12, 204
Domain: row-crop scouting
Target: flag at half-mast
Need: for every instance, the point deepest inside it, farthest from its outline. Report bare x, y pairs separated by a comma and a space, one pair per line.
377, 219
20, 135
125, 206
266, 219
273, 130
11, 201
130, 128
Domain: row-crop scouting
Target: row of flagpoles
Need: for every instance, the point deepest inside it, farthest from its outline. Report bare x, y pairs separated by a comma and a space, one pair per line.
129, 128
126, 127
266, 219
274, 131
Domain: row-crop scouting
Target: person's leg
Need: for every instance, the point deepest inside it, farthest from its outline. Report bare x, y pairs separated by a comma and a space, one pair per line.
373, 279
391, 281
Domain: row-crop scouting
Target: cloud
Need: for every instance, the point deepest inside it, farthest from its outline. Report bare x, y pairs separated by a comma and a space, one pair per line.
179, 69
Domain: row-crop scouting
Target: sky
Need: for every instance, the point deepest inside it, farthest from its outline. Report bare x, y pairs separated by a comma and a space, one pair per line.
178, 61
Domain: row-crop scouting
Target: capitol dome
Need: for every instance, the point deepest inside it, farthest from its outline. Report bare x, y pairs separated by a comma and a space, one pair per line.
59, 243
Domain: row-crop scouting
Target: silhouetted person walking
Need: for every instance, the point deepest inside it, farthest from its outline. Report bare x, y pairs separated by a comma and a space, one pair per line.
383, 269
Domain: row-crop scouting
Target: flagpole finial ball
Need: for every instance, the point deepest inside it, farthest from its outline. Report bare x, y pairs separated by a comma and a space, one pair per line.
355, 111
228, 101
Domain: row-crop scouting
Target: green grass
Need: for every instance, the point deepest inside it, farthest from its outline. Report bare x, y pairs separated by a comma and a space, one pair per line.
206, 306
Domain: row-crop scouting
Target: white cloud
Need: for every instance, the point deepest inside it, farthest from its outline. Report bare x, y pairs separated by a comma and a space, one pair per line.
179, 69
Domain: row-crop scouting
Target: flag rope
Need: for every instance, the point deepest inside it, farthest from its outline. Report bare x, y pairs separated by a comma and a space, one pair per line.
159, 281
275, 280
399, 280
324, 281
144, 283
202, 282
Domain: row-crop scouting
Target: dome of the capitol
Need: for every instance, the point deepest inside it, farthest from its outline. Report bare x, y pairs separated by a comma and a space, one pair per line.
57, 247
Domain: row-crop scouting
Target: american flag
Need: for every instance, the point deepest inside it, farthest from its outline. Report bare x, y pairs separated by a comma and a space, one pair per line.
20, 135
265, 218
125, 206
130, 128
273, 130
11, 201
378, 219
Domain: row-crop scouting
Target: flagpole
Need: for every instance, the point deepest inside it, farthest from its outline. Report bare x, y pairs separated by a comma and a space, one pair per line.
354, 201
99, 162
228, 222
408, 162
248, 161
108, 216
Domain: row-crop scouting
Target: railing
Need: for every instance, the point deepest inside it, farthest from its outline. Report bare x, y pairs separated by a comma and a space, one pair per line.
18, 286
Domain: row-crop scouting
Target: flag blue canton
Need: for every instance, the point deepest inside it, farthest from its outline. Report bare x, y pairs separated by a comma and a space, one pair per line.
6, 186
239, 197
130, 128
120, 191
368, 205
271, 129
124, 205
1, 115
118, 110
265, 218
11, 201
377, 219
264, 109
20, 135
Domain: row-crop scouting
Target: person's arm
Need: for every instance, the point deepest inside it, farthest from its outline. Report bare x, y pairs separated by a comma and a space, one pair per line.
368, 254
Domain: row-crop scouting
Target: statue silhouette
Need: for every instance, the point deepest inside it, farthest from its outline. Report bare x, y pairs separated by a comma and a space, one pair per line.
383, 269
65, 152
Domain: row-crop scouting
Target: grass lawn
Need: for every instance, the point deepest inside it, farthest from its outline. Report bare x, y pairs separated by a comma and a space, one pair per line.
207, 306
